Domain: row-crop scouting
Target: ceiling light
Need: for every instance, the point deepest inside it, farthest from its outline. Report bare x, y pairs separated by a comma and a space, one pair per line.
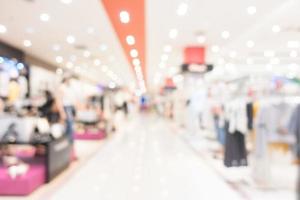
27, 43
275, 61
29, 30
70, 39
90, 30
103, 47
269, 53
168, 48
44, 17
124, 17
293, 44
293, 54
215, 49
136, 62
225, 34
97, 62
86, 54
173, 33
232, 54
130, 40
69, 65
73, 58
182, 9
164, 57
250, 44
66, 1
56, 47
112, 85
276, 28
251, 10
134, 53
3, 29
59, 71
201, 39
59, 59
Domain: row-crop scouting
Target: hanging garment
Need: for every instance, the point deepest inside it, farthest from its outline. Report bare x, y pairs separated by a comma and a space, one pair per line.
294, 128
250, 116
235, 149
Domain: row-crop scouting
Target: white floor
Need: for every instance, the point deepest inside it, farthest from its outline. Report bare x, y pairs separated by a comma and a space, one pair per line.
145, 160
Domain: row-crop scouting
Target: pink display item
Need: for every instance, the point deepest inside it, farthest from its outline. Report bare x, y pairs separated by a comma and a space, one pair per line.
90, 136
22, 185
26, 153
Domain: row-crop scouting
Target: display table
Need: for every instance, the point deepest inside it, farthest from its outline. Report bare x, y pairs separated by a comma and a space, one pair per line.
24, 184
56, 158
90, 135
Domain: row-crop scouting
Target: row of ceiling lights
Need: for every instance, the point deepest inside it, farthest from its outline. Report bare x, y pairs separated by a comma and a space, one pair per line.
134, 54
70, 39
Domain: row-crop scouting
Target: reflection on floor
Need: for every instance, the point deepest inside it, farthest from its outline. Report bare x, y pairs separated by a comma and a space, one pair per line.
145, 160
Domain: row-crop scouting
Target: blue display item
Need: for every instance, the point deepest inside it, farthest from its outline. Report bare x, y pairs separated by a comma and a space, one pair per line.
12, 66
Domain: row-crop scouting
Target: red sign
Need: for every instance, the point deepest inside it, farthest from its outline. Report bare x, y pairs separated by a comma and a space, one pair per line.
194, 55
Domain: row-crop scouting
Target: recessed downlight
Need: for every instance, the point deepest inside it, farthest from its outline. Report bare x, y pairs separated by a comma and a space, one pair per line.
201, 39
59, 71
225, 34
124, 17
59, 59
134, 53
136, 62
103, 47
70, 39
130, 40
3, 28
215, 49
45, 17
276, 29
293, 54
97, 62
90, 30
250, 44
182, 9
251, 10
167, 48
27, 43
69, 65
86, 54
173, 33
56, 47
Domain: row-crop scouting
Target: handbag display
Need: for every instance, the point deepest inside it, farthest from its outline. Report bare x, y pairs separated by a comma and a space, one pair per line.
11, 135
57, 130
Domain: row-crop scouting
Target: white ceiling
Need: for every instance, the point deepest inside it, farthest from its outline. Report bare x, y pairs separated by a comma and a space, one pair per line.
211, 17
72, 19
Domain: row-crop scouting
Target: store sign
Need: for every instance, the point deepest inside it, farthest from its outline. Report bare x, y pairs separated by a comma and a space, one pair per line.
194, 55
194, 68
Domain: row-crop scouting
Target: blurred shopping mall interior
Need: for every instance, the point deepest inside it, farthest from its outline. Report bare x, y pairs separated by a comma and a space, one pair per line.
149, 99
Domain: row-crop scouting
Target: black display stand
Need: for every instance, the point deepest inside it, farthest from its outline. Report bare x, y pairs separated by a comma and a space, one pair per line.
57, 155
